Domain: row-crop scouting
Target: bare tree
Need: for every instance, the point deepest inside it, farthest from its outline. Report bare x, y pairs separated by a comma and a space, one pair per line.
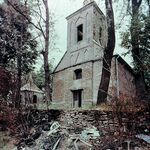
45, 32
108, 53
46, 52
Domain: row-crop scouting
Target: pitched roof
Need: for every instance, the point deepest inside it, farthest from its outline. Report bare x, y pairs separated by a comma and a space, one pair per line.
30, 86
92, 3
123, 62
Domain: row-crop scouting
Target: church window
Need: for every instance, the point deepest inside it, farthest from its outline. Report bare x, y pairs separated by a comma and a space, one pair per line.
78, 74
100, 35
80, 32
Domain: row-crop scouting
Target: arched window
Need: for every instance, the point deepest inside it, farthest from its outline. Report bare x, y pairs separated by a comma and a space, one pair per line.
78, 74
80, 32
100, 35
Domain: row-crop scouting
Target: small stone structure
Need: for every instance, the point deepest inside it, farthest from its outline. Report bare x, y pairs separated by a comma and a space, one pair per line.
31, 94
77, 77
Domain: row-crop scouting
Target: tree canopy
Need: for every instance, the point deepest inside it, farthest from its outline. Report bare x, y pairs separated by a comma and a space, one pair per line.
15, 37
137, 38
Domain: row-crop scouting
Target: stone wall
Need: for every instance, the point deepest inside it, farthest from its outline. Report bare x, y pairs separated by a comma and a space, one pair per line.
78, 120
89, 48
27, 97
99, 27
64, 84
104, 121
92, 19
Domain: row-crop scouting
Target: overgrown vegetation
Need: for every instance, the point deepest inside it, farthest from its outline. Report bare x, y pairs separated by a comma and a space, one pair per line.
137, 40
18, 48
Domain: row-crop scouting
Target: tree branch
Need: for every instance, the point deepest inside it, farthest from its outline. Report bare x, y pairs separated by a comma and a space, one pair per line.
39, 14
42, 30
19, 11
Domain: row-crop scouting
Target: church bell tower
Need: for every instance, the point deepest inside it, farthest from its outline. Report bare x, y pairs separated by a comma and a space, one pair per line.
86, 34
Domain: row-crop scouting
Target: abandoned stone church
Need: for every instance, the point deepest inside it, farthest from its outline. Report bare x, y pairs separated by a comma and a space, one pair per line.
78, 74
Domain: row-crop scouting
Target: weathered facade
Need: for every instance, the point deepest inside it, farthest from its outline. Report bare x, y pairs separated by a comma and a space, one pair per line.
77, 76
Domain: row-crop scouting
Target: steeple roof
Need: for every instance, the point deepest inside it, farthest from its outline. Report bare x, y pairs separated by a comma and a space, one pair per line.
30, 86
87, 2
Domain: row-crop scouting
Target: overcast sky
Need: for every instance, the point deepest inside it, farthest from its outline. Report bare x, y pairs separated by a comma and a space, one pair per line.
63, 8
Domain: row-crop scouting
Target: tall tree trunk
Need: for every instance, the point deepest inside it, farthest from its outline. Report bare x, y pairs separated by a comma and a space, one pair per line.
19, 73
108, 53
19, 69
135, 31
45, 54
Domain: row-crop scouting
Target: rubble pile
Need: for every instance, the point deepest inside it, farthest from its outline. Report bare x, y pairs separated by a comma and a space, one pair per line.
80, 129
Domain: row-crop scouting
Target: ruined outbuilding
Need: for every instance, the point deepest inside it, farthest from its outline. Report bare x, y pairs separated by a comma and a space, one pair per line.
77, 76
31, 94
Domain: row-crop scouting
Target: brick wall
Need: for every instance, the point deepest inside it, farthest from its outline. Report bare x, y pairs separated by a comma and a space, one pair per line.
126, 81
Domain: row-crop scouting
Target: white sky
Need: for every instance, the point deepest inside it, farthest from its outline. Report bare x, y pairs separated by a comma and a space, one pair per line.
63, 8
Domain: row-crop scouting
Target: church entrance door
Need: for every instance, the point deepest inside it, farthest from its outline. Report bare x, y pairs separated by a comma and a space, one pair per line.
77, 98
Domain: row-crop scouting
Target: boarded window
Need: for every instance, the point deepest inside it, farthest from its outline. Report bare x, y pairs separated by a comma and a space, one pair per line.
80, 33
78, 74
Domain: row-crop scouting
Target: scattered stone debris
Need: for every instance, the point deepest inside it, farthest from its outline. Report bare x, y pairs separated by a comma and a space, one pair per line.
46, 140
51, 142
89, 133
85, 144
81, 130
84, 137
146, 138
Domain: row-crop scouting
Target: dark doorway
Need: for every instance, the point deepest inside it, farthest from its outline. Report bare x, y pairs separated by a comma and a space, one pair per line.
34, 99
77, 98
